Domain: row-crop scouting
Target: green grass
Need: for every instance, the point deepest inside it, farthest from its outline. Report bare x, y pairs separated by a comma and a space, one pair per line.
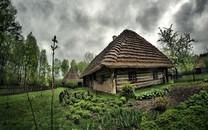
151, 89
18, 115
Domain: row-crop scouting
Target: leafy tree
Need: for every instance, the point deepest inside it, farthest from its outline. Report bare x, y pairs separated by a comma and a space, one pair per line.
43, 64
82, 65
64, 67
57, 68
31, 59
10, 31
178, 48
31, 64
74, 65
88, 57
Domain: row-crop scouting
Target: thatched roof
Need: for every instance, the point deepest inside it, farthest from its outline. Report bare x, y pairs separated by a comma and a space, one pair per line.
71, 75
128, 50
200, 60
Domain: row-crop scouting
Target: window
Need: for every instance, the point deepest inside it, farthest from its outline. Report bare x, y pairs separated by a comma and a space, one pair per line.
155, 75
100, 79
132, 77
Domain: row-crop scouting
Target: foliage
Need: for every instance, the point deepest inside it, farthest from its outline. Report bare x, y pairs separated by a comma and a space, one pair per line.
57, 68
206, 63
88, 57
43, 69
64, 67
120, 119
10, 34
152, 93
72, 84
82, 65
127, 91
123, 99
74, 65
178, 48
161, 103
190, 115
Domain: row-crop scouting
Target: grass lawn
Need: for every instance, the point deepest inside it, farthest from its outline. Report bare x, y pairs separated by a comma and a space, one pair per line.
75, 112
18, 114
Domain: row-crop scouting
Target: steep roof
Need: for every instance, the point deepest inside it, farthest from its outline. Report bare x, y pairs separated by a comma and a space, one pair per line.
71, 75
200, 60
128, 50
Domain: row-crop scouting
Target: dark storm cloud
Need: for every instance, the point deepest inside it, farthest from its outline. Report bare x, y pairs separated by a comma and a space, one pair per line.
83, 26
149, 17
192, 18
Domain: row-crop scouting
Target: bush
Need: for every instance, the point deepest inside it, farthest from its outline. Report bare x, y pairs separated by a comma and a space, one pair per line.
95, 109
123, 99
76, 118
205, 87
191, 115
161, 103
128, 91
120, 119
152, 94
72, 84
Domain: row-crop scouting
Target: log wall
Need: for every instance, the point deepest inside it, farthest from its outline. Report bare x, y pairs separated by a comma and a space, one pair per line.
144, 78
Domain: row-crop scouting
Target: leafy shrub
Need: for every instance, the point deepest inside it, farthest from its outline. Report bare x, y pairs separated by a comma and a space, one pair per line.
127, 91
123, 99
76, 118
205, 87
96, 109
83, 113
200, 99
190, 115
161, 103
205, 80
72, 84
152, 94
118, 102
120, 119
171, 81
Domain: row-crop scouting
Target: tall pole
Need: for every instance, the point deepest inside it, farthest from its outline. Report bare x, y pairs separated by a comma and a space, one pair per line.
53, 47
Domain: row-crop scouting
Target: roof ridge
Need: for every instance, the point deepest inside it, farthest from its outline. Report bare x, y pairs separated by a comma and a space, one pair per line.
131, 42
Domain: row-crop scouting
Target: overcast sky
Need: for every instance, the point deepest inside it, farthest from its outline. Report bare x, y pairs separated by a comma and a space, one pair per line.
88, 25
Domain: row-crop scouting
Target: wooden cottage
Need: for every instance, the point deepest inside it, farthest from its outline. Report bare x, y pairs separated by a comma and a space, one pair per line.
128, 58
72, 75
200, 64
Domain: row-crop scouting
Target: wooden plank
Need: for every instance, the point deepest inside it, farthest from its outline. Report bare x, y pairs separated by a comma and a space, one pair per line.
143, 84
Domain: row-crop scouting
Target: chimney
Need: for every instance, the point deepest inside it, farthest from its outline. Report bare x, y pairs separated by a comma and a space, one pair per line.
114, 37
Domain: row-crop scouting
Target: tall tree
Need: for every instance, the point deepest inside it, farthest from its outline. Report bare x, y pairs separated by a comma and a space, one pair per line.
74, 65
64, 67
43, 64
82, 65
10, 31
178, 48
57, 68
88, 57
31, 65
31, 59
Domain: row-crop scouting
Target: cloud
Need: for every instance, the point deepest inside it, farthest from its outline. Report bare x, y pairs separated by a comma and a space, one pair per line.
82, 26
191, 18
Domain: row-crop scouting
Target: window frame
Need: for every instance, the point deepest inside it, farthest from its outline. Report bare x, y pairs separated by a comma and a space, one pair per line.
155, 74
132, 77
